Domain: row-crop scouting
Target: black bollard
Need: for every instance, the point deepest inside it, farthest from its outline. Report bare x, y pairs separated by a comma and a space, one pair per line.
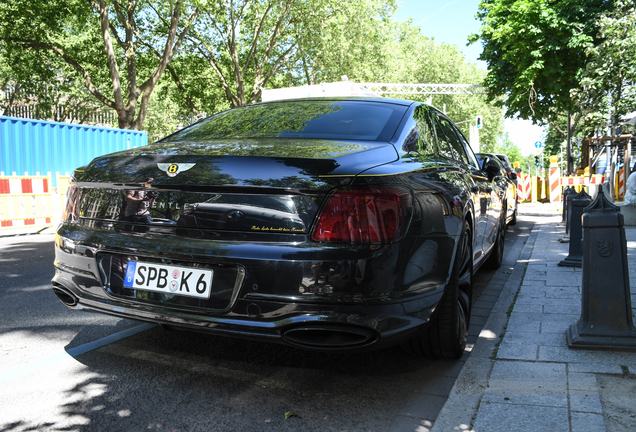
569, 199
567, 191
606, 309
574, 258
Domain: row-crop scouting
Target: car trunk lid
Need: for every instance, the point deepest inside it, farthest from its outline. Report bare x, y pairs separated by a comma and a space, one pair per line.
271, 186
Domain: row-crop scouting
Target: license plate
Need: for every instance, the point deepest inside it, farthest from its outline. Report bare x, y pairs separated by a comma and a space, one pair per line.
184, 281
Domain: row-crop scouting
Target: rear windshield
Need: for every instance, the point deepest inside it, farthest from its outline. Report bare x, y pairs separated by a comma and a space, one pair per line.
334, 120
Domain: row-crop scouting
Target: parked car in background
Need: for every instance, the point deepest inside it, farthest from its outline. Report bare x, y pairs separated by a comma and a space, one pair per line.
509, 170
507, 181
327, 224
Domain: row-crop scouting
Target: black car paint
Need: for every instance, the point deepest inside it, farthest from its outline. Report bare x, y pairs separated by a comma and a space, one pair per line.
374, 294
505, 182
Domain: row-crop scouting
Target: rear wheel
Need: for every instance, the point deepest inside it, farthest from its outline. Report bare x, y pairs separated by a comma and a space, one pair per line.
496, 256
513, 221
447, 334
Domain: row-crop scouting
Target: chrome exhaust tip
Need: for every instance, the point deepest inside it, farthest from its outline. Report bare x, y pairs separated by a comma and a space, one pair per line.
65, 296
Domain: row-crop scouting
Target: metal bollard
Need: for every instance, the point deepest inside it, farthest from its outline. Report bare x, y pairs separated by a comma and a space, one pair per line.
567, 191
570, 198
606, 309
574, 258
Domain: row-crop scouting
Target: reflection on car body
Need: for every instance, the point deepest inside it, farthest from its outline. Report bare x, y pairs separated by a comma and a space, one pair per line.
327, 224
507, 182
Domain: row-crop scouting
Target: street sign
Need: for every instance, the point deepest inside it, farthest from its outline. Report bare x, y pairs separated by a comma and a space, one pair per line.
538, 145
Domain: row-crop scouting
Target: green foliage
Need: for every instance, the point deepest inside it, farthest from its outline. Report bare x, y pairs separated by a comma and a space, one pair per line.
162, 118
414, 58
67, 41
609, 79
536, 52
350, 39
258, 121
58, 52
507, 147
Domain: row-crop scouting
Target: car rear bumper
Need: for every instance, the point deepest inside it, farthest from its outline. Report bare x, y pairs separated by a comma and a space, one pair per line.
323, 327
325, 303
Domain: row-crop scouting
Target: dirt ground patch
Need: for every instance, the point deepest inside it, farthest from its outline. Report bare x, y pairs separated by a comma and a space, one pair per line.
618, 396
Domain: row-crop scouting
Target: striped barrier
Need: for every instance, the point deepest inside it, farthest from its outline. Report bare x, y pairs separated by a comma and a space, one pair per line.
555, 183
578, 182
524, 189
536, 189
619, 191
25, 201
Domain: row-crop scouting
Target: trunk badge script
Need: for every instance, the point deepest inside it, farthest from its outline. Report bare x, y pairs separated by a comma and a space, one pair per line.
174, 169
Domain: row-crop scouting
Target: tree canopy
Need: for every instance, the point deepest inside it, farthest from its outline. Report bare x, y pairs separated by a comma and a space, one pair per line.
151, 61
96, 39
536, 51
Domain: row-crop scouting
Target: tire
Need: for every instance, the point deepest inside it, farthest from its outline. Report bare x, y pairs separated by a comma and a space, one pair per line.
447, 334
496, 256
513, 221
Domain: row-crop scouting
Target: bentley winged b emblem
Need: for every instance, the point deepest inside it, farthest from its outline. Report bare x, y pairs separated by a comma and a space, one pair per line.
174, 169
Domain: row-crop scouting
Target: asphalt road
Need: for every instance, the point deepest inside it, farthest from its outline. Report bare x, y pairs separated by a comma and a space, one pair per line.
79, 371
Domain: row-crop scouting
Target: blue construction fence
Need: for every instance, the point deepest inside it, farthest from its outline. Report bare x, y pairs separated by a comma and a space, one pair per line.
37, 146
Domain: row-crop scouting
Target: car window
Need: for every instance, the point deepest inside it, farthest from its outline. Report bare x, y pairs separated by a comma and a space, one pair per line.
449, 144
422, 135
493, 158
316, 119
427, 143
472, 160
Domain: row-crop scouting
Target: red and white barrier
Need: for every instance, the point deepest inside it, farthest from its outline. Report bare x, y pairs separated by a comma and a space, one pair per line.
582, 181
524, 184
620, 183
555, 183
25, 201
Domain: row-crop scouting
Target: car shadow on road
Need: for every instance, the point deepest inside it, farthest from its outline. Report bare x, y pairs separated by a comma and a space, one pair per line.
176, 380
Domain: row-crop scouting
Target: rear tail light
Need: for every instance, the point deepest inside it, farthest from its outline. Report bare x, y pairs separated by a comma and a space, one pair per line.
71, 212
375, 215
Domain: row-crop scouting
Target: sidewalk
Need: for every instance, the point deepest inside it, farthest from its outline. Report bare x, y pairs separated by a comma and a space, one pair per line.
521, 375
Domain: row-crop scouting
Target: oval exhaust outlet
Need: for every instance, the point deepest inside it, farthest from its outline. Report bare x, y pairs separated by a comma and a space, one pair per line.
65, 296
326, 337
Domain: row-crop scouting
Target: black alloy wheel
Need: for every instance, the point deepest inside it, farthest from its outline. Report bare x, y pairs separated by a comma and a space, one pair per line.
447, 334
496, 256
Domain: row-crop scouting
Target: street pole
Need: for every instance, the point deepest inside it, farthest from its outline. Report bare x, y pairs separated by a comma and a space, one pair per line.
568, 151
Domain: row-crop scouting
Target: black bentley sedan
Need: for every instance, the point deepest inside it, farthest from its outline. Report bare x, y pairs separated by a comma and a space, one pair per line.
327, 224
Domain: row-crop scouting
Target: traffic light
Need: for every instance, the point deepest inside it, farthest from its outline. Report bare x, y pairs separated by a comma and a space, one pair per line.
480, 121
536, 160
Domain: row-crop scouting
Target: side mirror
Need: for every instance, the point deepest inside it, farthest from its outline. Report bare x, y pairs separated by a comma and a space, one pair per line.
513, 176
